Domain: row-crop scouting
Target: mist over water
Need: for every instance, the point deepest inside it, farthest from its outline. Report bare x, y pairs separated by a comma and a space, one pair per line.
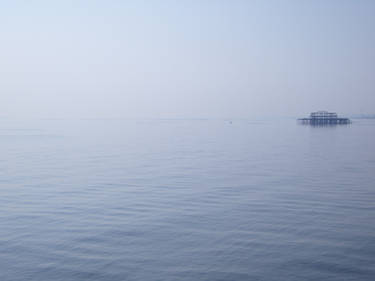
142, 140
186, 200
186, 59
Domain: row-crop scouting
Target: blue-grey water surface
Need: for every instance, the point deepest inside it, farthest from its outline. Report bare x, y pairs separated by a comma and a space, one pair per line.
186, 200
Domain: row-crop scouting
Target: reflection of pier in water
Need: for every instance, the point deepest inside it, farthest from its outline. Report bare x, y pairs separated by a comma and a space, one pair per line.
324, 118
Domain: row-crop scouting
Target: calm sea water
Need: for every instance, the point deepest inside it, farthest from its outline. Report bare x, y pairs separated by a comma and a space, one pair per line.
186, 200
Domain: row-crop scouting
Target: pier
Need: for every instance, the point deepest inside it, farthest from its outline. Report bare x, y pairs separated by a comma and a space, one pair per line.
324, 118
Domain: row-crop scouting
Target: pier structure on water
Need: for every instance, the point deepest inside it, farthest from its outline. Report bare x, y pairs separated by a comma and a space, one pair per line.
324, 118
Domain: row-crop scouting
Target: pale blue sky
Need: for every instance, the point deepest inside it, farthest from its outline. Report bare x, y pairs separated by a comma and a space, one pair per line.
175, 59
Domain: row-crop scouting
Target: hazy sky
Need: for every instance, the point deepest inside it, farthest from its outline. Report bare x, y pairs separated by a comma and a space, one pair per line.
176, 59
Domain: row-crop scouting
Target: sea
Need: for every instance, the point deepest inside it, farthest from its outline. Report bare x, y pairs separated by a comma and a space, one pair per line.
186, 199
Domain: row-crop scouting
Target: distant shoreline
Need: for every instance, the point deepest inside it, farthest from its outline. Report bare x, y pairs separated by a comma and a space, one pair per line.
363, 116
